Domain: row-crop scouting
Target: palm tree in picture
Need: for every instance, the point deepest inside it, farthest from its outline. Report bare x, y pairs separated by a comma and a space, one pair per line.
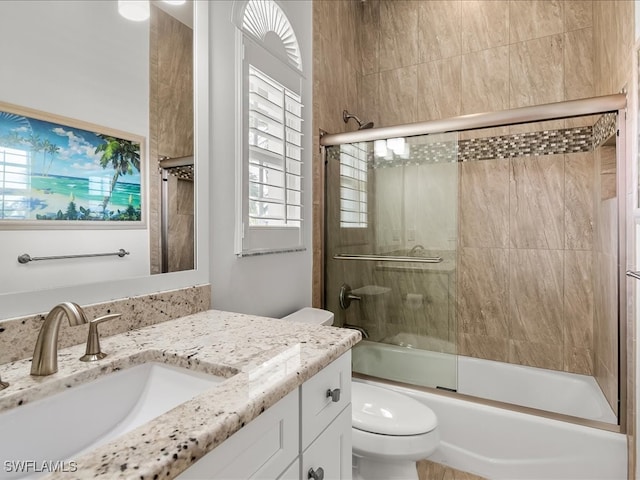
44, 145
36, 144
122, 155
52, 149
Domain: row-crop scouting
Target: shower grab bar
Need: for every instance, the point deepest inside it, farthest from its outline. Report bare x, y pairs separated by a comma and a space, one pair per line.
635, 275
26, 258
387, 258
514, 116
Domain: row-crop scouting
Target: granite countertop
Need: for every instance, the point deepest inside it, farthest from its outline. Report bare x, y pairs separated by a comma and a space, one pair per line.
235, 346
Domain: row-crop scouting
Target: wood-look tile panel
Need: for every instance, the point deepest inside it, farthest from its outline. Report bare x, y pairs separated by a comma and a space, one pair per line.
536, 206
439, 29
535, 296
485, 24
484, 203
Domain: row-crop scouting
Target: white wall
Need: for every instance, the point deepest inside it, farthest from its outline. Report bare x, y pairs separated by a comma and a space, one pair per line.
84, 61
271, 285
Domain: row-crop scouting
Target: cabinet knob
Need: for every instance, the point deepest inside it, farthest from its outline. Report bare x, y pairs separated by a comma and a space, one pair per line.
334, 394
316, 474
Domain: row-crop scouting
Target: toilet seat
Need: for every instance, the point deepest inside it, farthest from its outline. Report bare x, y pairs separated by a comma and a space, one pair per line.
384, 412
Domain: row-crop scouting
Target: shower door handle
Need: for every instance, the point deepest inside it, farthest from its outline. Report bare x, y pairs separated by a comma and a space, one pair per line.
633, 274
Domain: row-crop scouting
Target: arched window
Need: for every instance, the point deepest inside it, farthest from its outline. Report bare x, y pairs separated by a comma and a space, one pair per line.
270, 110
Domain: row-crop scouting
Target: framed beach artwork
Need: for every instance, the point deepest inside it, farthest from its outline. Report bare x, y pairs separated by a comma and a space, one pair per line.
58, 172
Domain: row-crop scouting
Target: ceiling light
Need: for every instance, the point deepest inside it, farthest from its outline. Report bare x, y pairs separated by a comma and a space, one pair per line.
136, 10
175, 2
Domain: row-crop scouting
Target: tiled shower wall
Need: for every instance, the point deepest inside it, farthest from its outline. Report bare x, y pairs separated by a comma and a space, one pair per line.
415, 61
525, 258
424, 60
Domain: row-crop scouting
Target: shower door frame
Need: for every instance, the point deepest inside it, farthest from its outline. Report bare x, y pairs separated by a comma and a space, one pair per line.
561, 110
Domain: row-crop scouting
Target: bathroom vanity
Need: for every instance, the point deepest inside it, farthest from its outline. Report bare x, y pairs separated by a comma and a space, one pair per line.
280, 410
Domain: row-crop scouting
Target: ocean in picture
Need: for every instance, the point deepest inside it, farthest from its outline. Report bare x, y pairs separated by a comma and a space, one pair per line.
51, 171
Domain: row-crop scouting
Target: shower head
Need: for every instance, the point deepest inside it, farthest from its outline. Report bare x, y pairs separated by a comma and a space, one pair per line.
346, 116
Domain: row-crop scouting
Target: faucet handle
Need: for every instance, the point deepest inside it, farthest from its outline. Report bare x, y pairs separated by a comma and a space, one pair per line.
93, 351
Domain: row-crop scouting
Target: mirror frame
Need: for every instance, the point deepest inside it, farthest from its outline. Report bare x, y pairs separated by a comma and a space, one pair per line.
31, 302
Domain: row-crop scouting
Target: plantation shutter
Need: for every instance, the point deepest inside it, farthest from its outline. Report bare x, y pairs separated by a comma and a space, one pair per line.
272, 169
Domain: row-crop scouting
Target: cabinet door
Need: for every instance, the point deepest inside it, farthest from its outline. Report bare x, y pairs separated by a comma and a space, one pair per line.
262, 449
318, 409
331, 451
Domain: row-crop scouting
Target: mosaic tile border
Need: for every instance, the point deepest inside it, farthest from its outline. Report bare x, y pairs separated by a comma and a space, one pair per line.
545, 142
605, 127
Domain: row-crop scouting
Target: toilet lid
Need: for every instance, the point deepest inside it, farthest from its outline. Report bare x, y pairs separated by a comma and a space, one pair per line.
382, 411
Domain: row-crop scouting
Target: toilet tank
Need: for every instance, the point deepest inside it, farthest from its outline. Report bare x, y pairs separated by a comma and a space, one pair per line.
311, 315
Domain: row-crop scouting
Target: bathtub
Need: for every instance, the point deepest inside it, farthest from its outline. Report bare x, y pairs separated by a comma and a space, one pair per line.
548, 390
501, 444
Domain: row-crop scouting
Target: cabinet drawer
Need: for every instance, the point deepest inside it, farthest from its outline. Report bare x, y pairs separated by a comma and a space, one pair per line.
331, 451
262, 449
318, 409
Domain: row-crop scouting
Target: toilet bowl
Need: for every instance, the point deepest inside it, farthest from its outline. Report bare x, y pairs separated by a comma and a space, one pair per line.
390, 431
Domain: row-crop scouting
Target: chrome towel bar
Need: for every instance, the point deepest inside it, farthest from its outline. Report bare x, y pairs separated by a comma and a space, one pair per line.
26, 258
387, 258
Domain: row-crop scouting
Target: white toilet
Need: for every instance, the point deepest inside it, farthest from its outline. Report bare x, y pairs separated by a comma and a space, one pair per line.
390, 431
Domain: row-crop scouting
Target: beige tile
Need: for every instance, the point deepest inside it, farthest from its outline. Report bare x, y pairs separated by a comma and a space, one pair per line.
368, 95
607, 380
535, 296
483, 133
398, 33
485, 24
485, 81
578, 299
577, 14
439, 29
535, 19
369, 36
608, 167
347, 14
536, 206
481, 346
483, 288
439, 89
579, 197
578, 360
549, 125
397, 99
584, 121
484, 203
578, 64
533, 354
536, 71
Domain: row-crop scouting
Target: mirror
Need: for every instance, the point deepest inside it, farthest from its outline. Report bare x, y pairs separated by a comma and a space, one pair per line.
83, 61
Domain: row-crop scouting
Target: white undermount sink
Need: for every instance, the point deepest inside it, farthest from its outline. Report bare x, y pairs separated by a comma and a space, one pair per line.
63, 425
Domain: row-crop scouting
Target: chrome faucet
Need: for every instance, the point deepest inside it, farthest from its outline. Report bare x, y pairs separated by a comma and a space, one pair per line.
45, 355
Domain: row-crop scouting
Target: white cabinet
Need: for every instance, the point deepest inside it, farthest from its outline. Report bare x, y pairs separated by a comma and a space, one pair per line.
318, 407
262, 449
308, 429
331, 451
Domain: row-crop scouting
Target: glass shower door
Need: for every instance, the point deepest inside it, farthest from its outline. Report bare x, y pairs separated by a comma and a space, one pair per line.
391, 240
